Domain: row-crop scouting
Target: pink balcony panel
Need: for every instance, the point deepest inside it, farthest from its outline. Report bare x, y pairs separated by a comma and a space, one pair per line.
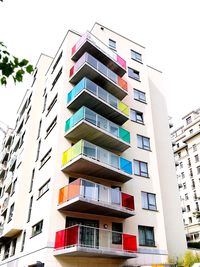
129, 243
121, 61
71, 72
128, 201
73, 49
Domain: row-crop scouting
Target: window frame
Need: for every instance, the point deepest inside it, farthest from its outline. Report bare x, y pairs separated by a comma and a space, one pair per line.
145, 228
139, 98
143, 140
42, 187
112, 44
134, 55
148, 195
140, 169
35, 233
135, 114
134, 74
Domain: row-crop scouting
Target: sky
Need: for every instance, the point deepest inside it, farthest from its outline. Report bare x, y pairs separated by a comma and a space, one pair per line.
169, 29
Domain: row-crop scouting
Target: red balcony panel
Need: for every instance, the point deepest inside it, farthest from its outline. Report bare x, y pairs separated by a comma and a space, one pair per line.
128, 201
60, 239
121, 61
129, 243
73, 49
122, 83
67, 237
71, 71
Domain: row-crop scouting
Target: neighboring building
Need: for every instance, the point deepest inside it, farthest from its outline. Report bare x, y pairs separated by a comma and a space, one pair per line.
186, 143
91, 163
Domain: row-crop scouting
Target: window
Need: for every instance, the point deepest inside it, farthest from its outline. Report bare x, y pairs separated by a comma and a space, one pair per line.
188, 208
134, 74
194, 147
30, 209
181, 164
23, 240
184, 185
197, 206
186, 197
189, 162
112, 44
179, 155
143, 142
39, 129
190, 219
139, 95
32, 179
191, 172
117, 233
57, 61
191, 131
46, 157
136, 56
188, 120
137, 116
52, 104
56, 78
13, 247
34, 77
198, 169
51, 126
182, 175
45, 103
196, 157
13, 187
177, 145
146, 236
38, 150
37, 228
140, 168
11, 212
44, 189
149, 201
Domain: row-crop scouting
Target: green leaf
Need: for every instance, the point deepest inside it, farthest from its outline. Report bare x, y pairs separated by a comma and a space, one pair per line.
29, 69
19, 75
3, 81
7, 69
23, 63
5, 59
16, 61
6, 52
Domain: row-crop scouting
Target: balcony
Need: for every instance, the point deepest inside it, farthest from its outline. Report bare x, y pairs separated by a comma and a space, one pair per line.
5, 154
88, 197
89, 43
88, 66
87, 159
3, 169
88, 125
13, 162
84, 241
8, 182
87, 93
4, 206
8, 137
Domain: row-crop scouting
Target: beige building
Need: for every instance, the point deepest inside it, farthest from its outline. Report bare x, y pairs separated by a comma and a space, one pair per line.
186, 143
90, 176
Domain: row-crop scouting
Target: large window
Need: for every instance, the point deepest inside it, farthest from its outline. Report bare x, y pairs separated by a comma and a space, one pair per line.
139, 95
23, 240
143, 142
56, 78
137, 116
117, 233
46, 157
136, 56
141, 168
44, 189
112, 44
37, 228
11, 212
149, 201
30, 209
146, 236
51, 105
51, 126
134, 74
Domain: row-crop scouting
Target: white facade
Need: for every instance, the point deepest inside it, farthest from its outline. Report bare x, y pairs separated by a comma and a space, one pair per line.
186, 143
34, 214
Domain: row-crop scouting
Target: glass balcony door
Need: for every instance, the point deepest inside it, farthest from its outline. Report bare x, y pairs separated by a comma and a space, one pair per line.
88, 232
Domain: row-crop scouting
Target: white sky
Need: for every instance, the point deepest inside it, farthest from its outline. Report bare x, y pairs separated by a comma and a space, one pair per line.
169, 29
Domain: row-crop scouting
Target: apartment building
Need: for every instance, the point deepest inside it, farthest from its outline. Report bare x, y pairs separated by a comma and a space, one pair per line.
186, 144
91, 163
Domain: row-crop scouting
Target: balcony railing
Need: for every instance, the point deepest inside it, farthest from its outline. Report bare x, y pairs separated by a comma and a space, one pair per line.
89, 43
95, 70
88, 197
87, 124
87, 158
103, 102
85, 240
